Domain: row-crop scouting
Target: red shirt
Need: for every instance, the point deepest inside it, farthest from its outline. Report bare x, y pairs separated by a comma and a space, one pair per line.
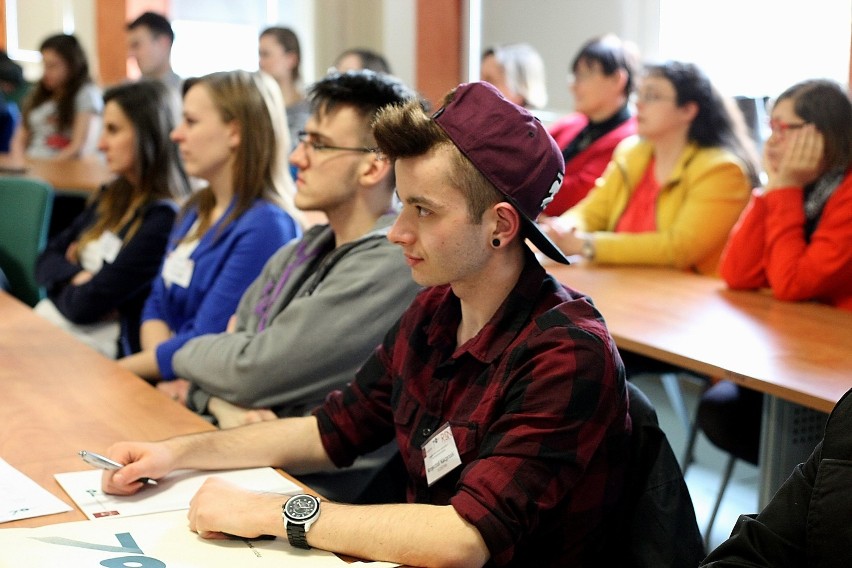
640, 215
585, 168
538, 410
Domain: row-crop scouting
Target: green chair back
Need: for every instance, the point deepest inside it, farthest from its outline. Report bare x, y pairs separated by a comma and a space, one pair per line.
25, 207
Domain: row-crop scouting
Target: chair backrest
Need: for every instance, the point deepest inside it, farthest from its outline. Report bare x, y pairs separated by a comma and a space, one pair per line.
659, 519
25, 207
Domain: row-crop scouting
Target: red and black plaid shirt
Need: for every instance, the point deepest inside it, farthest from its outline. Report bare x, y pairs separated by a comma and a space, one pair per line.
538, 409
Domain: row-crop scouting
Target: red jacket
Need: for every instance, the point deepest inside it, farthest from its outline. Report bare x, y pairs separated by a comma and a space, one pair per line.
767, 248
582, 170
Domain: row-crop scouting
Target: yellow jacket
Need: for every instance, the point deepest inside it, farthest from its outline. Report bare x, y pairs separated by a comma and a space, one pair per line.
696, 208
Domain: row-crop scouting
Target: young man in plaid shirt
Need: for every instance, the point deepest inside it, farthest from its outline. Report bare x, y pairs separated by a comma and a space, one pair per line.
503, 388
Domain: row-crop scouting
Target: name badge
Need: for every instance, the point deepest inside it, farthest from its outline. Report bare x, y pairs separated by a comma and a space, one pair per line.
109, 244
177, 269
440, 454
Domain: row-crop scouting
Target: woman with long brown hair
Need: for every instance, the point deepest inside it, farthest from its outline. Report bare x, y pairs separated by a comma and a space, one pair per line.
99, 270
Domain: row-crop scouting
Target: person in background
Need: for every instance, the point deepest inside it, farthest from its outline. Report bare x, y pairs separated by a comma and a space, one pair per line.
280, 56
233, 136
149, 39
795, 236
61, 114
604, 74
98, 271
670, 196
361, 58
11, 83
517, 71
502, 388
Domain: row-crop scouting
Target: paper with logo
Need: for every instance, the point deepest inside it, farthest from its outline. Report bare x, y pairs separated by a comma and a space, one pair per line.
172, 493
148, 541
23, 498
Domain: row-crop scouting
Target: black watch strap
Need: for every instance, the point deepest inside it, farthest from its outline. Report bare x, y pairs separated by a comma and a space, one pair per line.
296, 536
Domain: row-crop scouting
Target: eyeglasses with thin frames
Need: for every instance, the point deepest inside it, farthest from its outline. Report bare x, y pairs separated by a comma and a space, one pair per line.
652, 97
780, 128
305, 138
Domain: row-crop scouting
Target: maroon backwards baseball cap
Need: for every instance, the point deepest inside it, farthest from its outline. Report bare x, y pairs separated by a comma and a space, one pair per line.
511, 148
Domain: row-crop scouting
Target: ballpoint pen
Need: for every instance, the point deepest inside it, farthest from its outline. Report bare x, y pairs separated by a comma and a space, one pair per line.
102, 462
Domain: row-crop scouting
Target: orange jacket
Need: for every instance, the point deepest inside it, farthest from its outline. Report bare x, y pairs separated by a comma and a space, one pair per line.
767, 248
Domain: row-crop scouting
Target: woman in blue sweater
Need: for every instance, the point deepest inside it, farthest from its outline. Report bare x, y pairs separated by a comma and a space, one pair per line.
233, 136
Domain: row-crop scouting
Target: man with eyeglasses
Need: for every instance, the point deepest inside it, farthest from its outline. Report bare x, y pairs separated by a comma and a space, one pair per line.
324, 302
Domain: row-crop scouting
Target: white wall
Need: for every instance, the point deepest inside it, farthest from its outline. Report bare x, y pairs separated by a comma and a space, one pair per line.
755, 47
747, 47
557, 29
38, 19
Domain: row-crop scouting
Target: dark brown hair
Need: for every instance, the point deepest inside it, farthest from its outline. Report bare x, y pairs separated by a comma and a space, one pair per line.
157, 164
69, 50
824, 104
407, 132
287, 39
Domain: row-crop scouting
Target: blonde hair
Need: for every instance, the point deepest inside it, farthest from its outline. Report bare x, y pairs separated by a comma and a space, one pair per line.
254, 102
524, 70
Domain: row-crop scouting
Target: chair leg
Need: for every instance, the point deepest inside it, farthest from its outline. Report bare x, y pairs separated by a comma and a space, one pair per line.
689, 452
672, 385
729, 469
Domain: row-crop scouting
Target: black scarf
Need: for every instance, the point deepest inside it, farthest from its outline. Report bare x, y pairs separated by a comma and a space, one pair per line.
816, 194
592, 131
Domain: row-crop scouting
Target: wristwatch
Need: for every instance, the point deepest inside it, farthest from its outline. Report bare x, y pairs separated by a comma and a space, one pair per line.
299, 513
588, 250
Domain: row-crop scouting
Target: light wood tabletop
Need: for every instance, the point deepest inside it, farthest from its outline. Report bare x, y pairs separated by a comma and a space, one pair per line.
798, 351
60, 397
798, 354
81, 175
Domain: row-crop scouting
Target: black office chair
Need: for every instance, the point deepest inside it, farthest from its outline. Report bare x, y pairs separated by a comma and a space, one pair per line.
730, 417
670, 377
657, 515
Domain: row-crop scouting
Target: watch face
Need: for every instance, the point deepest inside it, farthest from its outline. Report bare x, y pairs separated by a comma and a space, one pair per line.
301, 507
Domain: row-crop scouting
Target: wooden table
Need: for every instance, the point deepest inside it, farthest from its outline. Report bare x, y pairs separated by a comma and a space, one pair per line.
797, 353
79, 176
60, 396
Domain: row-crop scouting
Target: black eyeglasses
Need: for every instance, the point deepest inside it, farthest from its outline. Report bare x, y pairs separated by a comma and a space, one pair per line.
305, 138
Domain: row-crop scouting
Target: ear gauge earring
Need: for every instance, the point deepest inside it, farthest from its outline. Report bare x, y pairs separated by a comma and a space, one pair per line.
495, 243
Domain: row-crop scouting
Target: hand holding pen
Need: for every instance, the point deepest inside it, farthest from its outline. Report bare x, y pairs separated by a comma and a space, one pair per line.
103, 462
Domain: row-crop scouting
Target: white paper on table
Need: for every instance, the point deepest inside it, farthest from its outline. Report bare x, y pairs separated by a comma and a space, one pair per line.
148, 541
23, 498
172, 493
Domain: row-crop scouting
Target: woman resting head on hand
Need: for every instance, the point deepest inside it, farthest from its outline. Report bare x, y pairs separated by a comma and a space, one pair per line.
795, 237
